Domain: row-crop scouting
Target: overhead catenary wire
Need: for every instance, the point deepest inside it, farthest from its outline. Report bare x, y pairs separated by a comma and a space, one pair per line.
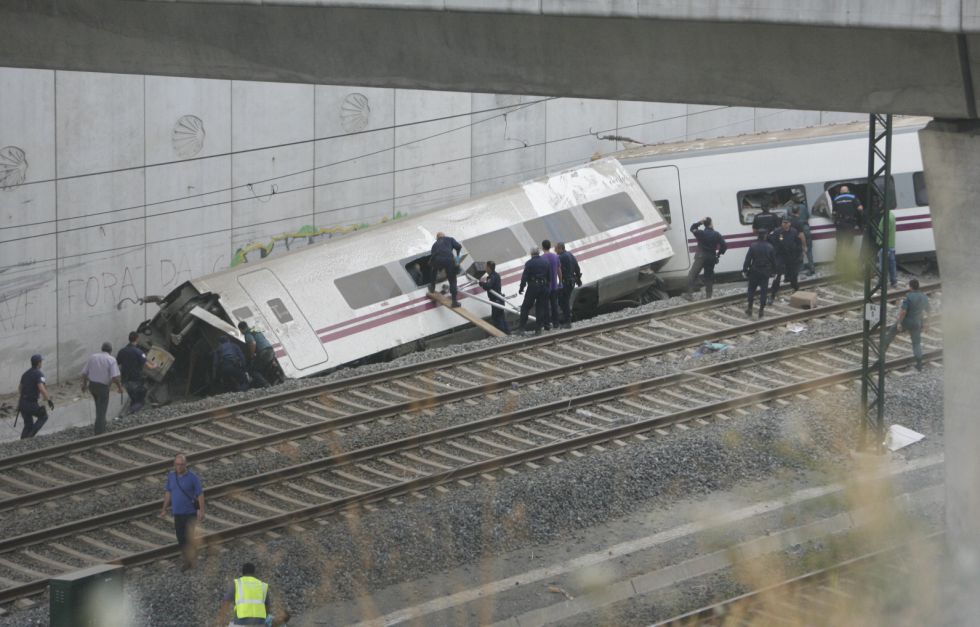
250, 186
140, 245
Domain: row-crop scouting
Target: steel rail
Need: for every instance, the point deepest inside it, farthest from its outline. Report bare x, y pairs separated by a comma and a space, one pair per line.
717, 611
279, 398
428, 403
432, 480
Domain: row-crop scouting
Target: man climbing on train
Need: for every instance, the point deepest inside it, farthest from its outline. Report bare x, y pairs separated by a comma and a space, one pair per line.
443, 258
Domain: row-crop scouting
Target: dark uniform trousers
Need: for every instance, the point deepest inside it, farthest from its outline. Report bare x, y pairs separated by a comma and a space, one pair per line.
703, 260
790, 268
499, 319
537, 297
449, 266
100, 392
29, 411
565, 302
758, 281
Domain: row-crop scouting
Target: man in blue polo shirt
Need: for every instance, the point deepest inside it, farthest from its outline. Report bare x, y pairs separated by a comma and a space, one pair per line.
185, 492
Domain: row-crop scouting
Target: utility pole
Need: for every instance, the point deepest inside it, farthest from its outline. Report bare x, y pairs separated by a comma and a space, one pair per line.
880, 197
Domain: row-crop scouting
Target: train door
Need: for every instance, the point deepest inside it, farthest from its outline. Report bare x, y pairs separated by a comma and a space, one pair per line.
663, 185
289, 325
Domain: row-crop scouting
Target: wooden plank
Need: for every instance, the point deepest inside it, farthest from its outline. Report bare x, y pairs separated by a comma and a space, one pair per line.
466, 314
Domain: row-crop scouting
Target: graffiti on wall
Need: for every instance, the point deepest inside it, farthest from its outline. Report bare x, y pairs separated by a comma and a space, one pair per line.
306, 234
105, 290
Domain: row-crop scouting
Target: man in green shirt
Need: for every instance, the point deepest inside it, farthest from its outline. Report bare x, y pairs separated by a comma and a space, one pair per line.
911, 318
892, 266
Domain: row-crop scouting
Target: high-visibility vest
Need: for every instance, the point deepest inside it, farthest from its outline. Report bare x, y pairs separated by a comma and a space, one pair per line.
250, 597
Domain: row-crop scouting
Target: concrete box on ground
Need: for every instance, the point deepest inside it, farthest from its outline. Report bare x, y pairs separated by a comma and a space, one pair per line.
88, 597
803, 300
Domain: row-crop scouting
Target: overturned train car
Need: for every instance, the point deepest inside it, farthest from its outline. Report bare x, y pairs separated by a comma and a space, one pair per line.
353, 297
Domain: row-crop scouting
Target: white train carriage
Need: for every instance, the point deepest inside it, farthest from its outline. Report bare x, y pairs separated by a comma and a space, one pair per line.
333, 303
730, 179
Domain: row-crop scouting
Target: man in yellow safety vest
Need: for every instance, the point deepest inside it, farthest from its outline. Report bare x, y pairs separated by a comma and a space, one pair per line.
250, 597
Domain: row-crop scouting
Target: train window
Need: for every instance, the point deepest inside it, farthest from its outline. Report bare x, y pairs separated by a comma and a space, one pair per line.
779, 200
560, 226
242, 313
279, 309
663, 208
501, 245
421, 272
859, 187
612, 211
921, 191
367, 287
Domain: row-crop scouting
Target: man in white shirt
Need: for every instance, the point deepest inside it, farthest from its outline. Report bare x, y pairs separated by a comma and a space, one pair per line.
99, 372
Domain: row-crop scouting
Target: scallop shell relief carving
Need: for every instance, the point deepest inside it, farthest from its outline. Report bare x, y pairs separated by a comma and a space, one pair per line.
355, 112
188, 136
13, 167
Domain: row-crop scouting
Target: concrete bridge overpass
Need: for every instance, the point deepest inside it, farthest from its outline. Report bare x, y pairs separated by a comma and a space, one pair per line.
899, 56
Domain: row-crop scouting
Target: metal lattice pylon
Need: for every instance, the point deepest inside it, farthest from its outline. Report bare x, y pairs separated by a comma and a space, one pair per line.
880, 196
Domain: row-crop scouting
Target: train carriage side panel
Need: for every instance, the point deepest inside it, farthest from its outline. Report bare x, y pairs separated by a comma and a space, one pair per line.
712, 182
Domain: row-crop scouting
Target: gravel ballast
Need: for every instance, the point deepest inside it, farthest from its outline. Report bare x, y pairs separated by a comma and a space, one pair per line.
345, 556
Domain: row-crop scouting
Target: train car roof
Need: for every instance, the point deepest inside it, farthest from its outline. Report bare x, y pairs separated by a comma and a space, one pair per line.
414, 234
759, 140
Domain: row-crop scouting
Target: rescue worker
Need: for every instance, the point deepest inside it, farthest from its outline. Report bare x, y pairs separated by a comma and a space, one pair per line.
760, 260
848, 210
572, 278
131, 359
444, 259
535, 279
765, 221
554, 285
491, 283
101, 371
260, 357
911, 318
888, 255
249, 598
711, 246
32, 388
800, 219
788, 244
229, 366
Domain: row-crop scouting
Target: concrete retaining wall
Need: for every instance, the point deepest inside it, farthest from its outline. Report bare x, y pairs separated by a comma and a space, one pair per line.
119, 186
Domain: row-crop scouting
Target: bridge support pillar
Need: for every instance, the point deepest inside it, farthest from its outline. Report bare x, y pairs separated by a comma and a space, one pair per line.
951, 154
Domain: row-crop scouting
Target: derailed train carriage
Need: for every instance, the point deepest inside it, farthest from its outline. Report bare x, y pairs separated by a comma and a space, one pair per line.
339, 301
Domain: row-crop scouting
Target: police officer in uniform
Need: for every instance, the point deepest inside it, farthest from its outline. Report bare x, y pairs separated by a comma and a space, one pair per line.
711, 246
131, 359
572, 278
536, 278
788, 244
260, 357
32, 388
229, 366
847, 214
491, 283
444, 259
765, 221
760, 261
799, 218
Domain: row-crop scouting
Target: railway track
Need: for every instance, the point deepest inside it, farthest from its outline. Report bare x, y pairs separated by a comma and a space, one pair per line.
498, 444
328, 412
856, 591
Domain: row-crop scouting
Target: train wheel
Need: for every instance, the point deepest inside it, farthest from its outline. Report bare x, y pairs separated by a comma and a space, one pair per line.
652, 293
